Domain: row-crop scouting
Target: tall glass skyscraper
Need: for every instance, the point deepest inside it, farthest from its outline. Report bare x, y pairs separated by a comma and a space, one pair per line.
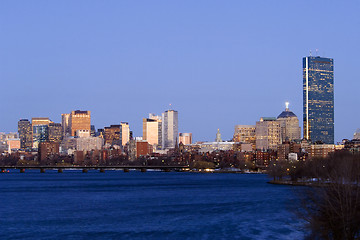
169, 129
318, 99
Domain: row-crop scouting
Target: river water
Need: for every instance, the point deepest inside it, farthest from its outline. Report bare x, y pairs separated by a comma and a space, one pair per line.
151, 205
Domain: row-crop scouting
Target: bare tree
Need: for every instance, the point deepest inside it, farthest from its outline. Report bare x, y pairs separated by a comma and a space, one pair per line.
332, 209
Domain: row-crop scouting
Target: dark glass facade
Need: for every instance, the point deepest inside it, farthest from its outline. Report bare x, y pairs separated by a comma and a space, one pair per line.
25, 133
318, 99
40, 134
55, 132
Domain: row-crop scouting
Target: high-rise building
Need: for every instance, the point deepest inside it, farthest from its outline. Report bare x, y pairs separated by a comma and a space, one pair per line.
124, 133
318, 99
185, 138
79, 120
112, 135
289, 124
245, 134
152, 130
40, 121
40, 134
267, 134
65, 122
25, 133
169, 129
40, 127
55, 132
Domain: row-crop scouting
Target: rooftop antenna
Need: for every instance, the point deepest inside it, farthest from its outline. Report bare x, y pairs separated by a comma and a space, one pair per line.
310, 53
287, 106
169, 106
317, 50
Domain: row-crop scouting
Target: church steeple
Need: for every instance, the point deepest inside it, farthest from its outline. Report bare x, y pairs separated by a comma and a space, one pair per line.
218, 136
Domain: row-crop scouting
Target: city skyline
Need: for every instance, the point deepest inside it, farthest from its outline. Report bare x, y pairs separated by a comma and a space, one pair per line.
123, 60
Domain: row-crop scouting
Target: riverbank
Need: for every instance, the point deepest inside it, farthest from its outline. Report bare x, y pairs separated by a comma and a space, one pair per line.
295, 183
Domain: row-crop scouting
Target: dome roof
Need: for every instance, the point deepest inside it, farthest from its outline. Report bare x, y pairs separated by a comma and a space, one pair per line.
286, 114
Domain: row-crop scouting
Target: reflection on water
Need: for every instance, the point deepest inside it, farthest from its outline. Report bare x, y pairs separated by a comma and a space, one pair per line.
151, 205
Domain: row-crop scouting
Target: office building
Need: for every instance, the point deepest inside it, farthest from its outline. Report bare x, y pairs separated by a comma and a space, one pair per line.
40, 127
267, 132
124, 133
245, 134
79, 120
169, 129
40, 121
289, 124
152, 130
318, 99
40, 134
112, 135
25, 133
185, 138
65, 122
55, 132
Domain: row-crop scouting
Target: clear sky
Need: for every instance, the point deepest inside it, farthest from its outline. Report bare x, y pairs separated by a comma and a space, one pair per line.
219, 63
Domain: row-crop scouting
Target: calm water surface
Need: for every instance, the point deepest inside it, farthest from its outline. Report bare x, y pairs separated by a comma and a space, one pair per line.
151, 205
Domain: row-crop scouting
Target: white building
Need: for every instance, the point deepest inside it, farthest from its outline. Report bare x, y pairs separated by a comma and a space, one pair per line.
169, 129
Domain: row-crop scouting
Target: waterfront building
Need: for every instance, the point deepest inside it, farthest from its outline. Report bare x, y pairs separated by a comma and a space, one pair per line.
267, 133
169, 129
124, 133
112, 135
25, 133
79, 120
245, 134
320, 150
185, 138
289, 124
47, 149
143, 148
55, 132
209, 147
287, 150
152, 130
318, 99
71, 144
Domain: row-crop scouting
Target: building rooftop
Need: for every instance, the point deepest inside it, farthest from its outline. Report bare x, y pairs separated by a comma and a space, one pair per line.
286, 114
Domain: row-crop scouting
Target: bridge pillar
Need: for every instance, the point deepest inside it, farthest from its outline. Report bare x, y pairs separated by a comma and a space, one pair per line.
22, 170
42, 170
143, 170
60, 170
84, 170
126, 170
102, 170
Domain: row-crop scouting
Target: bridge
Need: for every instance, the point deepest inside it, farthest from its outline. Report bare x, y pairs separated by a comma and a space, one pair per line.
102, 169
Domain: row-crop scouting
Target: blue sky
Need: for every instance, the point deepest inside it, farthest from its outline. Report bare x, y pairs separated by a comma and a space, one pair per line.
219, 63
